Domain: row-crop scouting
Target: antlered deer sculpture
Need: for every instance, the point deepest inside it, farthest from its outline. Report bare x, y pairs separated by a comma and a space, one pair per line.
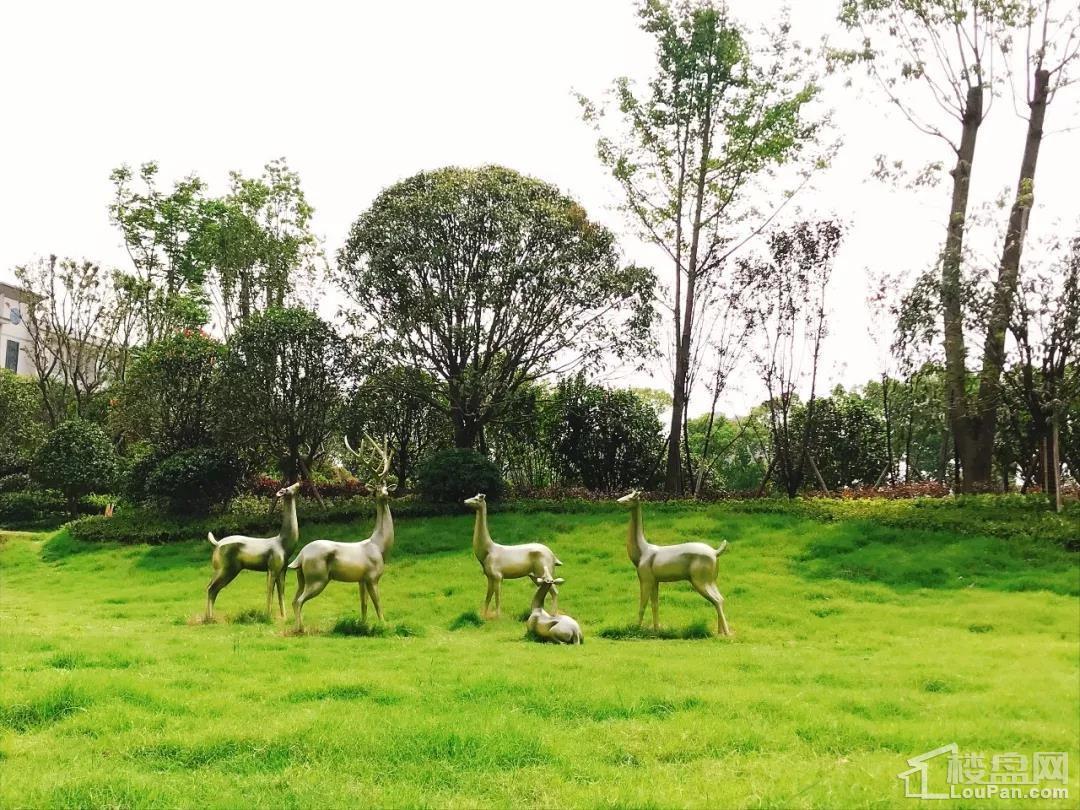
323, 561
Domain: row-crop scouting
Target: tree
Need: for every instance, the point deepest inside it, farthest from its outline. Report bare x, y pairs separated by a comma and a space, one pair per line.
20, 414
790, 304
1053, 43
395, 404
162, 234
81, 328
607, 439
167, 398
719, 117
282, 387
258, 242
487, 280
77, 458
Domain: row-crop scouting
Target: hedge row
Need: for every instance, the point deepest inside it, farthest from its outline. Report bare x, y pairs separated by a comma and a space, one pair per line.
1005, 516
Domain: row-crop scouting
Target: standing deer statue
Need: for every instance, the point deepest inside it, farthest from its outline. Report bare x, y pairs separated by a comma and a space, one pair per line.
507, 562
238, 553
560, 629
322, 561
697, 563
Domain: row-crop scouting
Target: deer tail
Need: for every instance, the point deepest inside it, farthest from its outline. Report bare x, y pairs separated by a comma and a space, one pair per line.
211, 538
557, 561
720, 549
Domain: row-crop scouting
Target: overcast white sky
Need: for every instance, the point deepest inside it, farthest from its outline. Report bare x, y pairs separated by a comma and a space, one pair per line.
359, 95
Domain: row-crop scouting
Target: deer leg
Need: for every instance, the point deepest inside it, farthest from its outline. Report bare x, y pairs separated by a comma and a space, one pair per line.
656, 605
279, 584
498, 597
217, 583
721, 620
310, 592
487, 598
269, 590
644, 599
373, 591
363, 601
299, 586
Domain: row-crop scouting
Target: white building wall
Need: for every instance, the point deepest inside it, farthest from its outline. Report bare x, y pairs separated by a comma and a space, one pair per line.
13, 330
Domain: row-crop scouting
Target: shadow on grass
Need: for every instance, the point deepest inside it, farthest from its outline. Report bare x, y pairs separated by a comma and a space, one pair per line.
632, 632
860, 551
351, 626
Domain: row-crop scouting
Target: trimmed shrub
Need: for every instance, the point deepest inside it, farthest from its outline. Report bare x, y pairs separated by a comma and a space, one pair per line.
451, 476
194, 480
77, 458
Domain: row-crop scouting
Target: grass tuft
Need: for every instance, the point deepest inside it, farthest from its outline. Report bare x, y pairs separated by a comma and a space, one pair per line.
980, 628
470, 618
250, 616
51, 707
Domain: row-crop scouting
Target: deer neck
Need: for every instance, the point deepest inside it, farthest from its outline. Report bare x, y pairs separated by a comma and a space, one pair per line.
290, 530
384, 527
481, 540
635, 536
539, 597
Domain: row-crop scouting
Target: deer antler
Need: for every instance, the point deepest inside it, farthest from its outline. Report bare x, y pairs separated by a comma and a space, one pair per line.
371, 459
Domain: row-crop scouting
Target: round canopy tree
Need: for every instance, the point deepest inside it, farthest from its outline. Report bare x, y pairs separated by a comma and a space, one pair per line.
77, 458
488, 279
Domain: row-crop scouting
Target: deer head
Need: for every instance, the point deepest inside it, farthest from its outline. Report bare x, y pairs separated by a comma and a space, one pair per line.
289, 491
375, 464
476, 501
632, 497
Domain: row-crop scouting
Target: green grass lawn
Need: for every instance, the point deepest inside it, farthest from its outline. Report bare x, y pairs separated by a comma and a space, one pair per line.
857, 647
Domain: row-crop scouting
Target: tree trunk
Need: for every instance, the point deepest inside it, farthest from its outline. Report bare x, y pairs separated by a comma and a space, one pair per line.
952, 256
984, 421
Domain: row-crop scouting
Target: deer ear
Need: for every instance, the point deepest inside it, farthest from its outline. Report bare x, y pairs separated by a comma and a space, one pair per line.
559, 581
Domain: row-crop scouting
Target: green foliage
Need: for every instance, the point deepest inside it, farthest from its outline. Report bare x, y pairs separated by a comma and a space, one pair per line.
18, 508
193, 480
76, 458
281, 387
398, 405
20, 414
451, 476
483, 277
605, 439
167, 397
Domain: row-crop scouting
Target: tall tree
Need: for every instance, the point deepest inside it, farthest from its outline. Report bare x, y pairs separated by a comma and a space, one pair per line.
718, 116
934, 60
1052, 44
162, 234
791, 304
487, 280
259, 244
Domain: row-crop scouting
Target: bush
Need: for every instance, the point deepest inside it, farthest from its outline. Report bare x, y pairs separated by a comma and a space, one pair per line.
451, 476
77, 458
14, 482
28, 507
194, 480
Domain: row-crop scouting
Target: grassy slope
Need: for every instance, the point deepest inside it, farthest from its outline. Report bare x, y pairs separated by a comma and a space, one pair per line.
858, 646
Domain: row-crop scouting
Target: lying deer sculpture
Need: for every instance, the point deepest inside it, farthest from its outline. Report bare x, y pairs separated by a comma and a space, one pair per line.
238, 553
560, 629
507, 562
697, 563
322, 561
